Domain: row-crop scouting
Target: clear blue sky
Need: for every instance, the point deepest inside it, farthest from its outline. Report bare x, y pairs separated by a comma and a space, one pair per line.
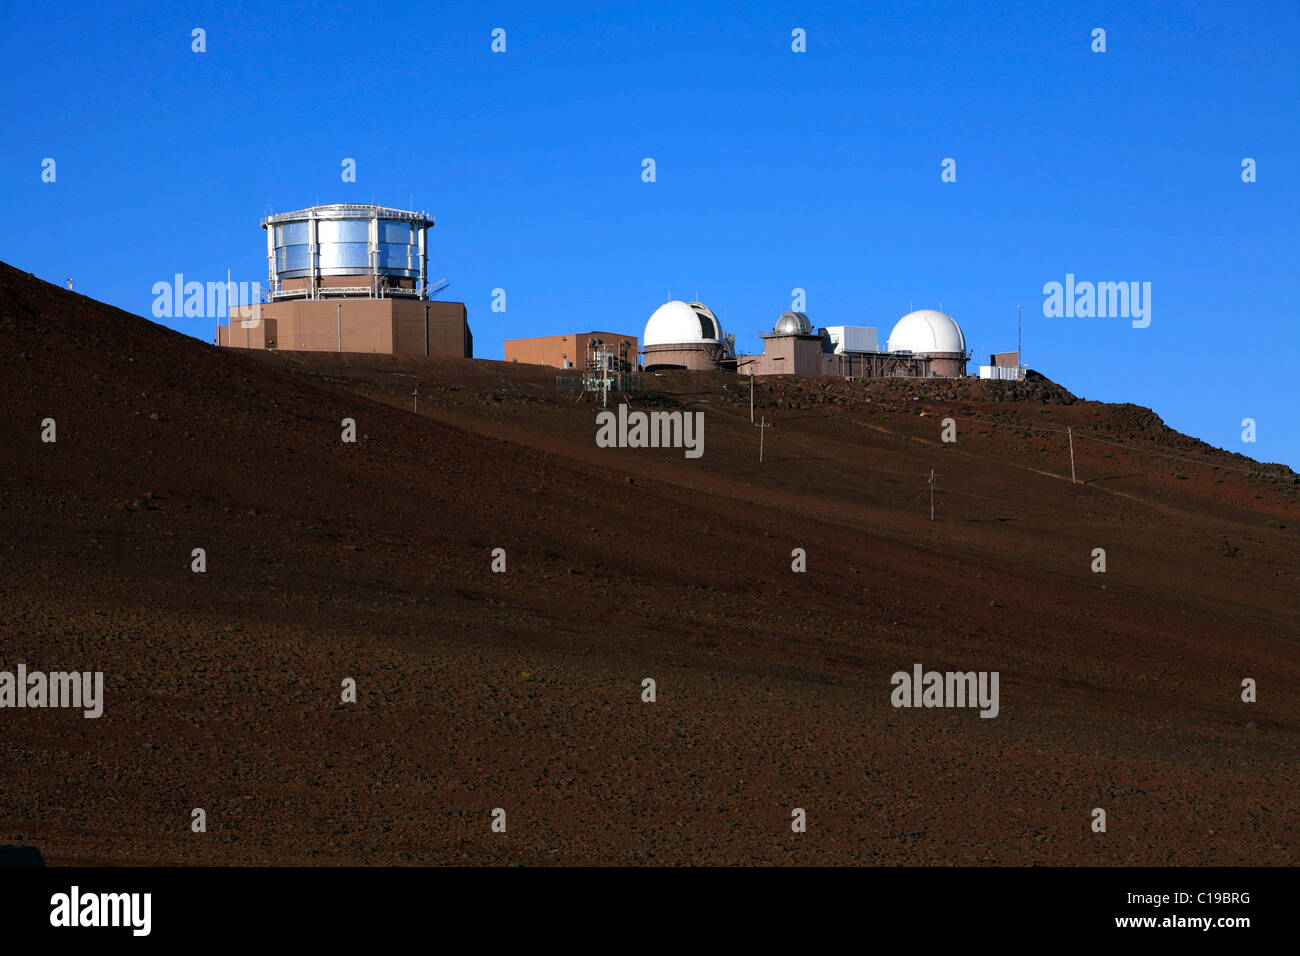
775, 169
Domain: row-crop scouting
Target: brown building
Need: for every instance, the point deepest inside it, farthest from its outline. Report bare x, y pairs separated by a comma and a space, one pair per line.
389, 326
1004, 359
569, 350
804, 355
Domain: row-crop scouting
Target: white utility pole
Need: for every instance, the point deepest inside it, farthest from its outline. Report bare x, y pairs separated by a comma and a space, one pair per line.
932, 479
751, 398
415, 396
762, 427
1070, 434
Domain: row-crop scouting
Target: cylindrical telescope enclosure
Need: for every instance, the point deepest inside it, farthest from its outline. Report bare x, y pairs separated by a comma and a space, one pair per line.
349, 240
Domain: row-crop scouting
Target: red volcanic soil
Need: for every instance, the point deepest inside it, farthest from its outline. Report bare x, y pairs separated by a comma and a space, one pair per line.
522, 690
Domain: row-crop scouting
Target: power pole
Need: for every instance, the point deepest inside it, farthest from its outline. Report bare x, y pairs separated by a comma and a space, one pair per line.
1020, 358
1070, 434
932, 479
415, 395
751, 398
762, 427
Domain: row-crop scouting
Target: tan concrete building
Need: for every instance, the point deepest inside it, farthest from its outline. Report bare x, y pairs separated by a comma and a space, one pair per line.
568, 350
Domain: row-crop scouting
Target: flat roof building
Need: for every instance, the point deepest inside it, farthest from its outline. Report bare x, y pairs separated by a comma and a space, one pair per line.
570, 349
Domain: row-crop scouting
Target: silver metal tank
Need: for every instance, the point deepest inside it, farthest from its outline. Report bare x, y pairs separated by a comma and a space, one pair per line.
374, 243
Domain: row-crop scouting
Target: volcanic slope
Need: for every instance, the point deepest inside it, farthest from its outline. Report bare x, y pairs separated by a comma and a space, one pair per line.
522, 690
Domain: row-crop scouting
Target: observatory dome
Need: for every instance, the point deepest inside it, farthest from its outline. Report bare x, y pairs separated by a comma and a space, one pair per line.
677, 323
927, 330
793, 323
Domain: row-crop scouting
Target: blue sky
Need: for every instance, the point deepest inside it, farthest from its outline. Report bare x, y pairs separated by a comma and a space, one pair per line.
775, 169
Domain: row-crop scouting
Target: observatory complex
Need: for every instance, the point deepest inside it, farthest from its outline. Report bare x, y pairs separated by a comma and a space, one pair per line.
349, 278
923, 344
687, 335
794, 347
354, 278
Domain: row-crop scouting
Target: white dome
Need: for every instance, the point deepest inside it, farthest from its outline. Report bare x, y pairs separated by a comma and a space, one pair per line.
675, 322
927, 330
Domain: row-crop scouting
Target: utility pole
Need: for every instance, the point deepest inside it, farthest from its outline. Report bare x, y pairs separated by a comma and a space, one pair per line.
751, 397
932, 479
415, 395
762, 427
1070, 434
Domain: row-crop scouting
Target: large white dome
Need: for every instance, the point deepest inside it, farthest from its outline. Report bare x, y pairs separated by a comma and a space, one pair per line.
675, 322
927, 330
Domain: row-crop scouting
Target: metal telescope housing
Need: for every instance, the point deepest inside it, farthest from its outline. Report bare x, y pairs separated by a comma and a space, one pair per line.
347, 249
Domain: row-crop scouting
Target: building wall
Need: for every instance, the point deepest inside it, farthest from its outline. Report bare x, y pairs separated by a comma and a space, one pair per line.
803, 355
697, 358
340, 325
388, 326
853, 338
447, 329
1009, 373
948, 364
561, 351
790, 355
1004, 359
247, 333
552, 349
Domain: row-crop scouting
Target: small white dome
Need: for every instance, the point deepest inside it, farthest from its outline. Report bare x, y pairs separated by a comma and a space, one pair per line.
675, 322
927, 330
